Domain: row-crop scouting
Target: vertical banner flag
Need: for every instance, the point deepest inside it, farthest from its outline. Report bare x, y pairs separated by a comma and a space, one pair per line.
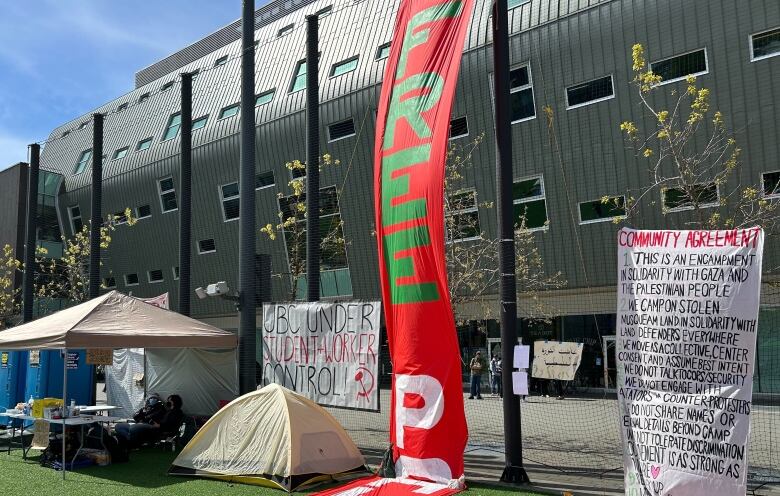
427, 421
686, 345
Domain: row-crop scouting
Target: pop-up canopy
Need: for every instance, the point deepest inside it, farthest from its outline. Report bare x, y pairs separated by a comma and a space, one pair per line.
115, 320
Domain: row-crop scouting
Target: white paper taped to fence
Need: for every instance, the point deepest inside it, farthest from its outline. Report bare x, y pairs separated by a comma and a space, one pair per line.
328, 352
556, 360
686, 339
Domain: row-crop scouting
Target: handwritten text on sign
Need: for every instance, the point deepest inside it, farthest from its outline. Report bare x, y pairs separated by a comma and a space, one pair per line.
555, 360
328, 352
686, 339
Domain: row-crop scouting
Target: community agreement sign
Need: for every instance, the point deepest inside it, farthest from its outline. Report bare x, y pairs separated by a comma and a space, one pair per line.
556, 360
328, 352
686, 341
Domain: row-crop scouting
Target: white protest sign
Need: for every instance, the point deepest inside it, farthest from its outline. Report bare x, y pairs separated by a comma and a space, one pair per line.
686, 339
521, 357
520, 382
328, 352
556, 360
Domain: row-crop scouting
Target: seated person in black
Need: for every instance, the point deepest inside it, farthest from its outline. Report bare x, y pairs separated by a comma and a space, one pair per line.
171, 421
147, 421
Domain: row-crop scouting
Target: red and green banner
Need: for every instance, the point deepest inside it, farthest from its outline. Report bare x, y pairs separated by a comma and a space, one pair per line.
427, 421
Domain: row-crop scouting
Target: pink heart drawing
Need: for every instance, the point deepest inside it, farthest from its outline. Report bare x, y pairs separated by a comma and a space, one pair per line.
655, 471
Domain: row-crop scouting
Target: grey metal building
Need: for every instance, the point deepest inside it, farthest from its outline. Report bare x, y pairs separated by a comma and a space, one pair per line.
573, 56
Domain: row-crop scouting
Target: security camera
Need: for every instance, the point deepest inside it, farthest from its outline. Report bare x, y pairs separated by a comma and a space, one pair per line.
202, 294
218, 289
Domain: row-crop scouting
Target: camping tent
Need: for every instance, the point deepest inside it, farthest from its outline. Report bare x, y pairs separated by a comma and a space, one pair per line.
113, 320
271, 437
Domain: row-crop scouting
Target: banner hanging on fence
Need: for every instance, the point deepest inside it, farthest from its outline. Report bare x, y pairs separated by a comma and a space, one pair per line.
556, 360
328, 352
377, 486
427, 421
686, 340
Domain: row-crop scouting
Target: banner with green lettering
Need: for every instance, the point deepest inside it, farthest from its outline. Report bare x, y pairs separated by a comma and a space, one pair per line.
427, 420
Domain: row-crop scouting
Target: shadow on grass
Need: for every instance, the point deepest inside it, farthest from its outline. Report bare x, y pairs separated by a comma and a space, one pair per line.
147, 468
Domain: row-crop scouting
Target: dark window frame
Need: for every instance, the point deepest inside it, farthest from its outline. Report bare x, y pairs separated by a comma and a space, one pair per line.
682, 78
331, 139
595, 100
605, 205
751, 40
201, 251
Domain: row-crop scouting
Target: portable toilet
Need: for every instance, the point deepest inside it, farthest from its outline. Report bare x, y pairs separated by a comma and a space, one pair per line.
12, 375
44, 376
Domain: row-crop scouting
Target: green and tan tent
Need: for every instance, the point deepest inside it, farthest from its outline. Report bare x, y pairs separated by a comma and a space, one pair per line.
271, 437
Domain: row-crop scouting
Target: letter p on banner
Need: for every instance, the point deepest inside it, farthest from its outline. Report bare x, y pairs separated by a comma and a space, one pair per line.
427, 421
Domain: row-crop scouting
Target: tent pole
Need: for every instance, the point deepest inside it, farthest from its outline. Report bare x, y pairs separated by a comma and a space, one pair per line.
64, 396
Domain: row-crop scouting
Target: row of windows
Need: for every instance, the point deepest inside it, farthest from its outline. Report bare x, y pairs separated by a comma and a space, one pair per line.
530, 207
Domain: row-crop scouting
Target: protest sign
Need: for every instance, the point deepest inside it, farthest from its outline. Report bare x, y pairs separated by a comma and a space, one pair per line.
686, 338
521, 357
556, 360
99, 356
328, 352
72, 361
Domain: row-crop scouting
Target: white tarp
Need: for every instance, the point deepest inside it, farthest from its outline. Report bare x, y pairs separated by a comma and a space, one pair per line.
123, 389
328, 352
203, 378
686, 339
556, 360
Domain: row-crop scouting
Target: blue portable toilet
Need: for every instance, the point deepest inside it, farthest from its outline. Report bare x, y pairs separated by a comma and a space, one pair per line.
44, 379
12, 375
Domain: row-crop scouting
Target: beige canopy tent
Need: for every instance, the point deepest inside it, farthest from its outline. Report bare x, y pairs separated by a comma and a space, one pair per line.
113, 320
271, 437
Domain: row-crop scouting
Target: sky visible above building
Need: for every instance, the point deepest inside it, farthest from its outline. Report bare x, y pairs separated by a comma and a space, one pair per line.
62, 59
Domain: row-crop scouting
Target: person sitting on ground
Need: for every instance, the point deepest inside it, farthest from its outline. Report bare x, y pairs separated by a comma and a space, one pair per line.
146, 418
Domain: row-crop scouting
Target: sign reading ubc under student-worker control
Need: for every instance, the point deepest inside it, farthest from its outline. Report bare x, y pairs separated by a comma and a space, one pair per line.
328, 352
686, 341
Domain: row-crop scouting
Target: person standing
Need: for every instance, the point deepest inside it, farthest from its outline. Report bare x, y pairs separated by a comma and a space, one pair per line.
495, 375
477, 367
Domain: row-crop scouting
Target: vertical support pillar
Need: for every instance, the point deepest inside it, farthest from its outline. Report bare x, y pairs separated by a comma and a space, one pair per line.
97, 205
247, 325
185, 207
513, 469
263, 282
30, 241
312, 160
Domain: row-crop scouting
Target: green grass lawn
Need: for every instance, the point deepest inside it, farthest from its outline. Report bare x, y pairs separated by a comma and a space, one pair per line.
144, 474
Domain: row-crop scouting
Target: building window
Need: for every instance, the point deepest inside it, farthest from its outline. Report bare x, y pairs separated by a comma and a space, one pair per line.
343, 67
121, 153
143, 145
229, 111
265, 97
120, 217
83, 125
529, 203
155, 276
382, 51
206, 246
172, 129
143, 98
122, 107
703, 195
765, 45
200, 122
65, 133
230, 201
299, 79
463, 221
143, 211
771, 182
681, 66
521, 94
285, 30
334, 276
221, 61
166, 86
341, 130
264, 179
324, 12
591, 92
513, 4
459, 127
109, 282
131, 279
194, 74
167, 195
75, 219
603, 210
175, 271
84, 159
